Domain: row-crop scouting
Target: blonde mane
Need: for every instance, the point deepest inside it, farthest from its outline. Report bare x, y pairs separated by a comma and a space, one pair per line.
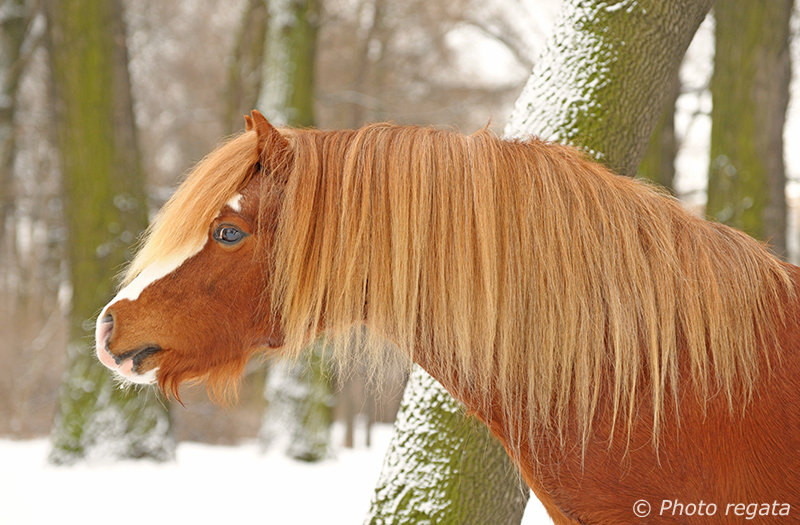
537, 277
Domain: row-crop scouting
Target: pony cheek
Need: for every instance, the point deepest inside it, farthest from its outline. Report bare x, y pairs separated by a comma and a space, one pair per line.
265, 335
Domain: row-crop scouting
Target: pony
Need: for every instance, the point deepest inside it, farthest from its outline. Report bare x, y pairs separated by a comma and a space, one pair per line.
633, 358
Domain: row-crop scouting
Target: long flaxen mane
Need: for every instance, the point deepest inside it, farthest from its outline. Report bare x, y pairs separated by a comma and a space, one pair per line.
537, 277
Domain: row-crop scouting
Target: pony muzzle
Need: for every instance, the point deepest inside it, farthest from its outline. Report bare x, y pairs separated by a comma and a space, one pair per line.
125, 364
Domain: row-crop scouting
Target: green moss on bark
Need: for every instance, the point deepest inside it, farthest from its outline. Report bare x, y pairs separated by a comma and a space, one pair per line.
607, 87
750, 93
442, 467
658, 162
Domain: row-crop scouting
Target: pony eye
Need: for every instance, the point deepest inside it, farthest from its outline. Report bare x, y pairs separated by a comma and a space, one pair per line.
227, 234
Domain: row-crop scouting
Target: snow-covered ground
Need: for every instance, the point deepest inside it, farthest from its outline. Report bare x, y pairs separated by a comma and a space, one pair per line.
205, 485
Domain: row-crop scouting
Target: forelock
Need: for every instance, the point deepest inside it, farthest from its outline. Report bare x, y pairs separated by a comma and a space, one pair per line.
181, 226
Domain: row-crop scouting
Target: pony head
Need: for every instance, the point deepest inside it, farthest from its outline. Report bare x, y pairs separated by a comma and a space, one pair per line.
190, 307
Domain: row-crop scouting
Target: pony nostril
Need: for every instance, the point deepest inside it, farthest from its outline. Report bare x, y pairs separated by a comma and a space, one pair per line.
104, 329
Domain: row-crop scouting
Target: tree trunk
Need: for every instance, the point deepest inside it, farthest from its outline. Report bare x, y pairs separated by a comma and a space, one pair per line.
750, 93
287, 90
299, 395
15, 18
300, 407
360, 87
245, 69
442, 467
658, 163
105, 209
599, 85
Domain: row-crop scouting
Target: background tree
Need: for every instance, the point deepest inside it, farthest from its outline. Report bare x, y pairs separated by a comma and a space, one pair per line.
16, 19
594, 88
287, 92
299, 394
658, 162
104, 205
750, 94
31, 317
246, 63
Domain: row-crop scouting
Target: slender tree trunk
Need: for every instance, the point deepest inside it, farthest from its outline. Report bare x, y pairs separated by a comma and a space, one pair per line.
287, 90
15, 18
299, 394
245, 69
658, 163
105, 209
360, 78
599, 84
300, 407
750, 93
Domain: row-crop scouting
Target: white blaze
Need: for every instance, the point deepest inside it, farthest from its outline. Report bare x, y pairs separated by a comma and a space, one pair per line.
153, 273
235, 203
164, 267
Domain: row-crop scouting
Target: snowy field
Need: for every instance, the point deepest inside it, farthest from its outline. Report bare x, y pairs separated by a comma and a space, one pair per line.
205, 485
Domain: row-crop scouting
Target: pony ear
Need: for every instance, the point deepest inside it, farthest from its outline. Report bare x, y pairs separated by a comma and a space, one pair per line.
274, 151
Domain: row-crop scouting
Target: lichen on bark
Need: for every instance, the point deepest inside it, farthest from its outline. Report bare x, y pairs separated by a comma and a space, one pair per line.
443, 467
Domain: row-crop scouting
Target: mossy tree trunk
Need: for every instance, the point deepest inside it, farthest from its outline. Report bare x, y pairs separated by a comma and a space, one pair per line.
604, 76
246, 64
600, 85
299, 394
750, 93
105, 209
658, 162
299, 406
442, 467
15, 20
287, 91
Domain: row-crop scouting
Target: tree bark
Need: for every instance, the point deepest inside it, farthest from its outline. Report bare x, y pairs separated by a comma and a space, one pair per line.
750, 93
15, 19
105, 209
658, 162
300, 403
245, 69
442, 467
599, 85
287, 92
